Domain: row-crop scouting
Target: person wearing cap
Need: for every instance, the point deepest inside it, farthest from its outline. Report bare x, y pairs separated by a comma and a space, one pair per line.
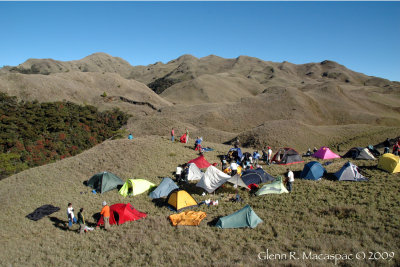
106, 215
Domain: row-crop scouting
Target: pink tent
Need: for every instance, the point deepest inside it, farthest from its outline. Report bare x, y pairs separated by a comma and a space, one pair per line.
325, 153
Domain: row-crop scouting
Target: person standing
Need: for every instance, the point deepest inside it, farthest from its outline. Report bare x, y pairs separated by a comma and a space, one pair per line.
269, 155
256, 157
172, 135
187, 136
82, 224
290, 180
386, 146
106, 215
70, 214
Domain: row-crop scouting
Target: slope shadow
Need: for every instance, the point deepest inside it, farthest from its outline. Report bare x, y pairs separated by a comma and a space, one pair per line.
61, 224
191, 188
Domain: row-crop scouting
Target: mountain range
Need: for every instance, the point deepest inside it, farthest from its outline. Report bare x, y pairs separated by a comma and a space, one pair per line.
260, 102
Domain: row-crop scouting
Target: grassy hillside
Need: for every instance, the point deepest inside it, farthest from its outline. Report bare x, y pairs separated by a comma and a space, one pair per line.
318, 217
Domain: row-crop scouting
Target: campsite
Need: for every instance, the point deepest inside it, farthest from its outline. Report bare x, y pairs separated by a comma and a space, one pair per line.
111, 138
325, 215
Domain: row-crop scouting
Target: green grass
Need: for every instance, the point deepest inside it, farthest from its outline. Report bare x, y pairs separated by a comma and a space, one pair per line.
319, 217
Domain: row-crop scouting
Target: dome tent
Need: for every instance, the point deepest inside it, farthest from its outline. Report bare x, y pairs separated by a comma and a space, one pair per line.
349, 172
133, 187
287, 156
389, 162
180, 199
313, 171
164, 188
104, 181
121, 213
325, 153
359, 153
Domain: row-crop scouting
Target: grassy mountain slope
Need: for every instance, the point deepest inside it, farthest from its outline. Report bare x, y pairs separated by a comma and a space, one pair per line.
319, 217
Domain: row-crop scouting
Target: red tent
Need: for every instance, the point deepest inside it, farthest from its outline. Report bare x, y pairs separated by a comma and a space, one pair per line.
121, 213
183, 138
200, 162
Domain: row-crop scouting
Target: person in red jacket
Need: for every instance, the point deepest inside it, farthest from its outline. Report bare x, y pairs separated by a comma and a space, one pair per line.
106, 215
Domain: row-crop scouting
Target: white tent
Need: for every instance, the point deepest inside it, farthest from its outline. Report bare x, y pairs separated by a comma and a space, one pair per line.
237, 181
212, 179
194, 172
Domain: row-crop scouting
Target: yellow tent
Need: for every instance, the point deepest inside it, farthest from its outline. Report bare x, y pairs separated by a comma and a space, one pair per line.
133, 187
181, 199
187, 218
389, 163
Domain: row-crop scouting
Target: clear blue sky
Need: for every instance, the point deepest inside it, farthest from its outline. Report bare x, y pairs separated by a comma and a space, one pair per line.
363, 36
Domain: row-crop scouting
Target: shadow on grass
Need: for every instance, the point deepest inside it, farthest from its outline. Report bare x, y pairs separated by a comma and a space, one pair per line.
61, 224
191, 188
159, 202
330, 176
214, 221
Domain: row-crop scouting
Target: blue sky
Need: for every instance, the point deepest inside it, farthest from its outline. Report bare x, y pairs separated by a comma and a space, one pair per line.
363, 36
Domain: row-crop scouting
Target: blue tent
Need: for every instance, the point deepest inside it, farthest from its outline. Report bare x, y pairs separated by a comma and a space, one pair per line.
313, 171
257, 176
165, 187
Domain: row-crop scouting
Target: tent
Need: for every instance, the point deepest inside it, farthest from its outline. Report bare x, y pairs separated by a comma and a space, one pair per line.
276, 187
180, 199
187, 218
312, 171
325, 153
104, 181
194, 172
257, 176
200, 162
164, 188
373, 151
237, 181
42, 211
121, 213
287, 156
349, 172
183, 138
133, 187
389, 162
245, 217
212, 179
359, 153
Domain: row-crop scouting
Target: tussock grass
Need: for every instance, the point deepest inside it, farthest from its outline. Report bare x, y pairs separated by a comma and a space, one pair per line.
319, 217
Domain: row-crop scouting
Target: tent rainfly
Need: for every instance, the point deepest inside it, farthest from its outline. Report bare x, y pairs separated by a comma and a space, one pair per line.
164, 188
245, 217
212, 179
104, 181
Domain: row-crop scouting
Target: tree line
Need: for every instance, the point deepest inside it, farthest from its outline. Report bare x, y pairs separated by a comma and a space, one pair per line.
33, 133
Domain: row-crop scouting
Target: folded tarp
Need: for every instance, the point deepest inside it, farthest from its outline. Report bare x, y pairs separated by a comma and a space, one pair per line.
187, 218
166, 186
42, 211
212, 179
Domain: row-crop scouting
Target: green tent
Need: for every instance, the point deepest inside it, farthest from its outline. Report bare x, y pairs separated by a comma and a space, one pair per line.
245, 217
276, 187
133, 187
104, 181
